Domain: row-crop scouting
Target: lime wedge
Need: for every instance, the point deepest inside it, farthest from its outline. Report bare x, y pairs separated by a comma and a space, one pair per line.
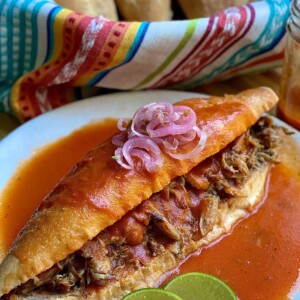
151, 294
200, 286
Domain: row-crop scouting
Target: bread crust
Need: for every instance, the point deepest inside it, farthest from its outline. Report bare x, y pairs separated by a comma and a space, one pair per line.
92, 8
201, 8
145, 10
97, 192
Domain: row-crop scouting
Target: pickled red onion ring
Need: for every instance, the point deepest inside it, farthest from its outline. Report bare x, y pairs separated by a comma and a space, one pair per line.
121, 122
156, 127
119, 139
199, 147
120, 160
143, 149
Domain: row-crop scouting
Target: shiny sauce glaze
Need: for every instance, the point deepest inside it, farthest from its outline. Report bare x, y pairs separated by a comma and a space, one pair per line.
260, 259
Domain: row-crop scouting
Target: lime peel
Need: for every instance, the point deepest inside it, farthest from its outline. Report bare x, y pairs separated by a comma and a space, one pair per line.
190, 286
197, 286
152, 294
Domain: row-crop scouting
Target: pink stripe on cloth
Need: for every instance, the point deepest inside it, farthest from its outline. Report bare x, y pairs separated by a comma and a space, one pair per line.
105, 46
69, 71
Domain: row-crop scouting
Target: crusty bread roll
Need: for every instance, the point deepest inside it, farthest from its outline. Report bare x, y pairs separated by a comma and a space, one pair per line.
205, 8
92, 8
144, 10
97, 192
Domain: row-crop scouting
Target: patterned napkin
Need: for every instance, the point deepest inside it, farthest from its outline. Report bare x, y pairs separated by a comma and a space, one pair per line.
49, 53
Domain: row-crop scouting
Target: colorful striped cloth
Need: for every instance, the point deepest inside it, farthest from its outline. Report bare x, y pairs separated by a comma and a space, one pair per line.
48, 53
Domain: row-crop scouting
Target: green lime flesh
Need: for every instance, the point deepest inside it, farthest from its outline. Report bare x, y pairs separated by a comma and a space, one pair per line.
151, 294
200, 286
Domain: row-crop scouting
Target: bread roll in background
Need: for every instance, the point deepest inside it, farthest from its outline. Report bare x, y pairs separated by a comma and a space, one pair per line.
205, 8
92, 8
149, 10
145, 10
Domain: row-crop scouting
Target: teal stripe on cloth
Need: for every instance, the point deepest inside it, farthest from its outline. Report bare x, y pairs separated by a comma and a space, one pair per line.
24, 39
10, 43
1, 26
34, 23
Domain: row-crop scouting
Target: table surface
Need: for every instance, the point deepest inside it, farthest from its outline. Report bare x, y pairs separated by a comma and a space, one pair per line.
234, 85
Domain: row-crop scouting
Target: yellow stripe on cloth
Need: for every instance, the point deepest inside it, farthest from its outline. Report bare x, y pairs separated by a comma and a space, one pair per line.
59, 24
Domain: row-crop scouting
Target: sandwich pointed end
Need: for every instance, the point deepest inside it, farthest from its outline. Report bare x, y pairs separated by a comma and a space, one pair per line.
259, 100
9, 279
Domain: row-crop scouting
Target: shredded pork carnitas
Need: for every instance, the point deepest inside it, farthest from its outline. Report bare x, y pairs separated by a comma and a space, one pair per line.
186, 209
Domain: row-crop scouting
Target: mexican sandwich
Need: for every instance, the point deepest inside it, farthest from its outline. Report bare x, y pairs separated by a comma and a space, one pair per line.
176, 178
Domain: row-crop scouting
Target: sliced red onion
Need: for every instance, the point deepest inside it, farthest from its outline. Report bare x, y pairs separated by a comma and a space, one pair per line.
153, 160
198, 148
119, 139
151, 112
171, 143
121, 123
144, 161
187, 137
119, 159
143, 149
169, 120
154, 127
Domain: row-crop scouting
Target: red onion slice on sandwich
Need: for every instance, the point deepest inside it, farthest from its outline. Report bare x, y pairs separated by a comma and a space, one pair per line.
154, 128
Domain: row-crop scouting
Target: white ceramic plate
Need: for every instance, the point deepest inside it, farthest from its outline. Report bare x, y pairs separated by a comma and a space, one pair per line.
20, 144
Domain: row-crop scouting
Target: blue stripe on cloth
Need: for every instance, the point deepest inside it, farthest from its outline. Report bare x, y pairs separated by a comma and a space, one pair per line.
23, 35
137, 41
131, 53
50, 31
273, 32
